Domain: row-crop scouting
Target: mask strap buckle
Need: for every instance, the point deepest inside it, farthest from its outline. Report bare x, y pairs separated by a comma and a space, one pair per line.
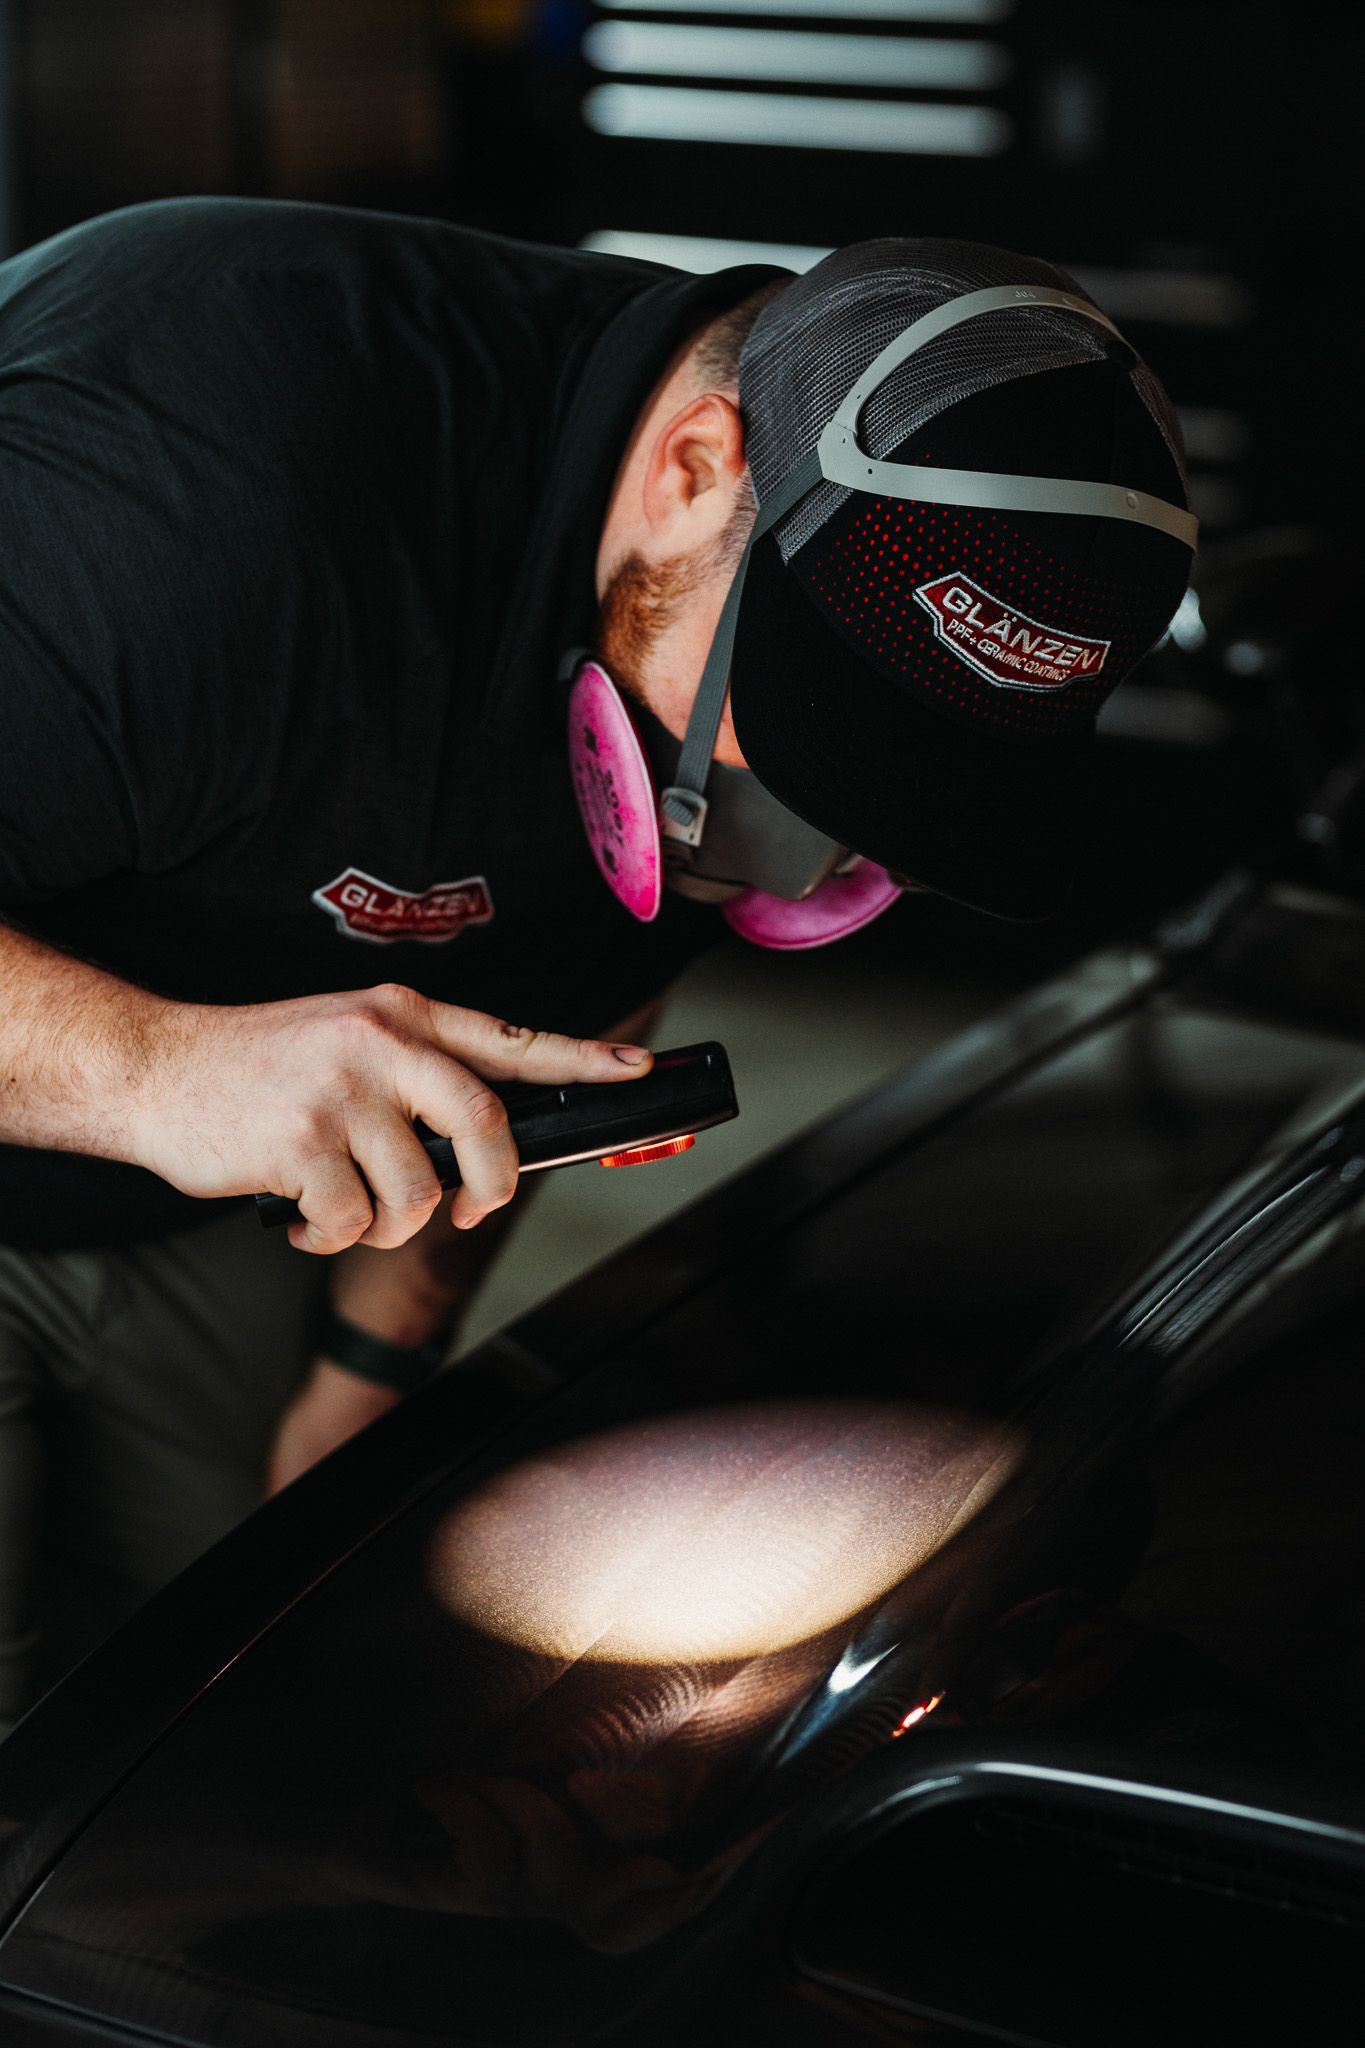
682, 816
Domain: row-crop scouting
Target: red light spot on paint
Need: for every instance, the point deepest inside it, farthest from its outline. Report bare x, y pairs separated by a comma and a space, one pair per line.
915, 1714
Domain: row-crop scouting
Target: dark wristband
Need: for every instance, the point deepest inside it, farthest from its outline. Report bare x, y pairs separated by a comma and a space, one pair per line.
400, 1366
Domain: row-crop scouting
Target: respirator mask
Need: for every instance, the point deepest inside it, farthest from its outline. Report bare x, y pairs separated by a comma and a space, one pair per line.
660, 811
778, 881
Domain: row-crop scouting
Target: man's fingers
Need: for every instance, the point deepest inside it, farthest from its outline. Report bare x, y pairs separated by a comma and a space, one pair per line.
336, 1205
510, 1052
401, 1179
422, 1059
456, 1103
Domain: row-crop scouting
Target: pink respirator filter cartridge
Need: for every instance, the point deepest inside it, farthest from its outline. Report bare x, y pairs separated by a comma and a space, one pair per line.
839, 907
615, 792
619, 806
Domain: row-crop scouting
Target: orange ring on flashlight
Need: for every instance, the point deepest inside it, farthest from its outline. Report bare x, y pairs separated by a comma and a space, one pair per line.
642, 1154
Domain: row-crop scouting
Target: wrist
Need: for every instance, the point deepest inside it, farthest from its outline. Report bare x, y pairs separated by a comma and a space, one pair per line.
399, 1367
155, 1033
408, 1318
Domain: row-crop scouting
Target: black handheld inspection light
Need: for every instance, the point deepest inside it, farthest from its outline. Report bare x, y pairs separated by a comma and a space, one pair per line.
619, 1123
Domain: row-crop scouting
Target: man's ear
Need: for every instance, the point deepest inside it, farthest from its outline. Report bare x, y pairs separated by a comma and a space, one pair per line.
694, 467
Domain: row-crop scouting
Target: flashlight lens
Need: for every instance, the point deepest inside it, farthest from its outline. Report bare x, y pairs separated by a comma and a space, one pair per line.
642, 1154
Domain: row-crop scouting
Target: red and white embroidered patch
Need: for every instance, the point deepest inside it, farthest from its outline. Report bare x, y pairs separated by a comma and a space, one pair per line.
1002, 643
367, 909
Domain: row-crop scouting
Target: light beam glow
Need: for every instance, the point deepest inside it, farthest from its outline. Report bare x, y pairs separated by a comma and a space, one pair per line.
715, 1534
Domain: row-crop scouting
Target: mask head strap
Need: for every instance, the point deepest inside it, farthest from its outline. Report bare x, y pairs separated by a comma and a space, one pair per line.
839, 458
683, 807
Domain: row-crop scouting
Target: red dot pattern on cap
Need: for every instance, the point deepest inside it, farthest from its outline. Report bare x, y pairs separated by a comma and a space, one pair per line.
864, 584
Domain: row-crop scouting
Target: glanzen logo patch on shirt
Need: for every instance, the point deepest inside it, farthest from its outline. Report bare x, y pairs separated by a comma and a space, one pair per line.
368, 909
1003, 644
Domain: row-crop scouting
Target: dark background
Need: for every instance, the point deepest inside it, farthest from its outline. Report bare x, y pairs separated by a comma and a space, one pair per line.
1192, 158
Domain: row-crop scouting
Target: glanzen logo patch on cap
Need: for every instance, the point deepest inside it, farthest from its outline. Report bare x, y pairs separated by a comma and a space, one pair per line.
1003, 644
368, 909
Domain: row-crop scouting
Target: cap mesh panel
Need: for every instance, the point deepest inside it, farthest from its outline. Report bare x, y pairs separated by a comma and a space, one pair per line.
811, 344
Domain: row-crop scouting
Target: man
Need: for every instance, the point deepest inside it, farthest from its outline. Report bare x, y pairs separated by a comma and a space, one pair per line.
309, 515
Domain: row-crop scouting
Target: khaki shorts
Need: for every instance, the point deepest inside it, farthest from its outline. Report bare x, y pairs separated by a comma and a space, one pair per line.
139, 1390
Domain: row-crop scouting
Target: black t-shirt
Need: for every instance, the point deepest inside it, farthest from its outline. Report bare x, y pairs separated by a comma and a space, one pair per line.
300, 513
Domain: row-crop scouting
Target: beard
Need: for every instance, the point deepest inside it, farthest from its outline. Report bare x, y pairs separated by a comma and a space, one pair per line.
644, 599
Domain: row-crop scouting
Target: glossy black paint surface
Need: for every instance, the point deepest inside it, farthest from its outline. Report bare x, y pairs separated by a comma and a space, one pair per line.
1116, 1910
267, 1808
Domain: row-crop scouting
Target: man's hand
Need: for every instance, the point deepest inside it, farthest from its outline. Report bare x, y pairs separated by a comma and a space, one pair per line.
405, 1298
303, 1098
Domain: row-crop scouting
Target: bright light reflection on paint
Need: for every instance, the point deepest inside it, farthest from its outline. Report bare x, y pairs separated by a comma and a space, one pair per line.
713, 1535
845, 1676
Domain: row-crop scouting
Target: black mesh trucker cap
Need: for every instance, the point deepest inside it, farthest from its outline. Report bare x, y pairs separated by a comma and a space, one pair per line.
953, 565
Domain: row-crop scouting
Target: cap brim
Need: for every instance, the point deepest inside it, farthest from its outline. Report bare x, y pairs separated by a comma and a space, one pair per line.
992, 824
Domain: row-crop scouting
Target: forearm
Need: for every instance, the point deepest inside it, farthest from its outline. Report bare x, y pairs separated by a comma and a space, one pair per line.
76, 1048
404, 1297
